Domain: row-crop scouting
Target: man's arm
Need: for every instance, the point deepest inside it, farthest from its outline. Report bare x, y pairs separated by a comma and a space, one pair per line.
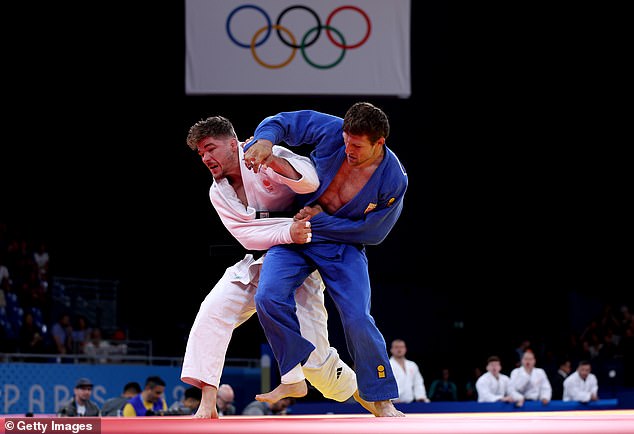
371, 230
295, 171
298, 127
295, 129
261, 234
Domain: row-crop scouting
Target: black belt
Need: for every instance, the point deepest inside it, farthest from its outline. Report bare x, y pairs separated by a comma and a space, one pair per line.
274, 214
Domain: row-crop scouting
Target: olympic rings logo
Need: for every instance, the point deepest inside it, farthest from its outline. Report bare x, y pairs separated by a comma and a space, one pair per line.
287, 38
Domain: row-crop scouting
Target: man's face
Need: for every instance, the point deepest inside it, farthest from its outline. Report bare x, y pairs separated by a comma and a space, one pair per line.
155, 393
219, 155
359, 149
83, 393
398, 349
494, 367
224, 401
528, 360
281, 405
584, 371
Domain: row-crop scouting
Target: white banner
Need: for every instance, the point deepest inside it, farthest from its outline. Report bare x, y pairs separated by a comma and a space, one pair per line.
354, 47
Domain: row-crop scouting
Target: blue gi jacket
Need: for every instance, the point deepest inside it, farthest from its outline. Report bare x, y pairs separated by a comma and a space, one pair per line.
373, 212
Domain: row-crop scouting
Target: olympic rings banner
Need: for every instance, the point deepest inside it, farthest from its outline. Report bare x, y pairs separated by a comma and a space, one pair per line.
323, 47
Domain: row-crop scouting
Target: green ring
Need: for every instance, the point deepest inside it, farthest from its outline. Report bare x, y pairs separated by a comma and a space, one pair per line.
313, 64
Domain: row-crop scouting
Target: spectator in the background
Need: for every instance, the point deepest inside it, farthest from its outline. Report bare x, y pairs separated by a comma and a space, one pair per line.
443, 388
189, 403
529, 382
409, 379
81, 333
97, 347
118, 345
4, 270
470, 390
582, 385
62, 332
80, 404
557, 379
261, 408
493, 385
224, 400
114, 406
31, 338
519, 351
42, 259
150, 402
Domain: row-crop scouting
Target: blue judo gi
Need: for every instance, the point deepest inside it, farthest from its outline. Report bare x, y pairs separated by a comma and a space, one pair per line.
337, 250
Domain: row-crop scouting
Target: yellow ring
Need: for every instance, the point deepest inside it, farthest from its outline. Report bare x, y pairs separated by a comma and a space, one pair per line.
266, 65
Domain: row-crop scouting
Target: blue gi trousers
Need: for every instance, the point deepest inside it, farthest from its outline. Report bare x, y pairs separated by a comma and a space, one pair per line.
344, 269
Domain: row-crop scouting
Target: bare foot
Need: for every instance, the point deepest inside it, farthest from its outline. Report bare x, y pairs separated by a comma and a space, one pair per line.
207, 408
204, 413
294, 390
387, 409
367, 405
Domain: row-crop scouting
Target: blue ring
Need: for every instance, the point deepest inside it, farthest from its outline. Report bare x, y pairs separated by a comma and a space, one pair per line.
257, 8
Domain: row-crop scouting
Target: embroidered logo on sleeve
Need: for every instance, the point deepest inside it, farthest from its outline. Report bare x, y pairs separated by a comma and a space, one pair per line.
380, 371
391, 201
370, 207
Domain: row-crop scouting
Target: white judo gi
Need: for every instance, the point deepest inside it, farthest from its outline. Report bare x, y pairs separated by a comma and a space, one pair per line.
531, 386
578, 389
491, 389
230, 302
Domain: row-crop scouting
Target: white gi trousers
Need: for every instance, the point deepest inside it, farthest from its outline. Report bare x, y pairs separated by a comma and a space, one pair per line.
231, 302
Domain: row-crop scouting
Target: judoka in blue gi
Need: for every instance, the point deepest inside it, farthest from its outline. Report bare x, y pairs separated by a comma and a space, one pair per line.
360, 198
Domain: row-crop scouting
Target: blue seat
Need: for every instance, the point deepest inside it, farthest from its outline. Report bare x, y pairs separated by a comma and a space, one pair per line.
12, 299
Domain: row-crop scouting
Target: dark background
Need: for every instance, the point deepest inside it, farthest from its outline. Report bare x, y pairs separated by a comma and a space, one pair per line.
515, 219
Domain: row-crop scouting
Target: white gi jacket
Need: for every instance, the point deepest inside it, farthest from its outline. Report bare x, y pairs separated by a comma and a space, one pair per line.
409, 381
491, 389
533, 386
578, 389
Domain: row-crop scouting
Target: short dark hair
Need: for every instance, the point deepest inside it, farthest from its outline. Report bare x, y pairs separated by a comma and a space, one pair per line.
365, 119
194, 392
213, 126
153, 381
493, 359
132, 386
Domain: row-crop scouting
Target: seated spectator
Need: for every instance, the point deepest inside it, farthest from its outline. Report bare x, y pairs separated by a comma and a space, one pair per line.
582, 385
149, 402
80, 404
114, 406
493, 385
557, 379
96, 347
443, 389
31, 338
81, 333
260, 408
118, 345
529, 382
409, 380
224, 400
189, 403
470, 391
62, 333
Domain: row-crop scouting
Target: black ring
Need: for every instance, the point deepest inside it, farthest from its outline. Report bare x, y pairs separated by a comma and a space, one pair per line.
314, 14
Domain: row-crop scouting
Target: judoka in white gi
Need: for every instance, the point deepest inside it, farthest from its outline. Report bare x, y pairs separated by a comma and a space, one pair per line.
582, 385
241, 197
